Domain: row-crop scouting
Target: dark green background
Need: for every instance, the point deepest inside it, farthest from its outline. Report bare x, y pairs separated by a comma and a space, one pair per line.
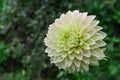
23, 25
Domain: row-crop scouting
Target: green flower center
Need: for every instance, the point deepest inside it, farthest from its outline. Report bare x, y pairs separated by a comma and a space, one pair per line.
69, 38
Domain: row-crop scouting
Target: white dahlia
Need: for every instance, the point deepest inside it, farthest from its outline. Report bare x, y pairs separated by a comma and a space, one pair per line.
74, 41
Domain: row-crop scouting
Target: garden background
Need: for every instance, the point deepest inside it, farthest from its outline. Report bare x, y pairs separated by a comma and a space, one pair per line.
23, 25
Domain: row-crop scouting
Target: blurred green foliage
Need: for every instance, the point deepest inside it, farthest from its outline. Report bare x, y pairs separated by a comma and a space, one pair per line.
19, 75
3, 52
23, 25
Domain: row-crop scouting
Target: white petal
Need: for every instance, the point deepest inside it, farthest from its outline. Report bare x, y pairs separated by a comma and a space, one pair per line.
92, 32
98, 28
85, 60
94, 61
73, 66
52, 52
47, 50
88, 20
99, 53
68, 62
57, 59
77, 50
70, 70
64, 55
82, 22
84, 15
77, 62
70, 51
85, 46
58, 21
99, 35
103, 34
90, 41
50, 44
79, 56
86, 53
76, 12
99, 43
86, 36
61, 65
94, 23
85, 66
63, 16
71, 56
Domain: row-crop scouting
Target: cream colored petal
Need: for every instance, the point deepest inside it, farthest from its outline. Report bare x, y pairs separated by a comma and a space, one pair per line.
76, 12
69, 15
94, 23
61, 65
47, 50
57, 59
78, 69
85, 46
70, 51
85, 66
51, 52
85, 36
77, 50
53, 39
73, 66
99, 43
50, 44
54, 28
58, 65
86, 53
99, 35
64, 54
58, 21
71, 56
76, 17
59, 50
98, 28
64, 20
63, 17
86, 60
88, 20
99, 53
79, 56
83, 16
68, 62
94, 61
103, 34
73, 18
77, 62
90, 41
70, 70
92, 32
82, 22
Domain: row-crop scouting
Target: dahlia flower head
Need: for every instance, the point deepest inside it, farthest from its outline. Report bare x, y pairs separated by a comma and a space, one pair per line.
75, 41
